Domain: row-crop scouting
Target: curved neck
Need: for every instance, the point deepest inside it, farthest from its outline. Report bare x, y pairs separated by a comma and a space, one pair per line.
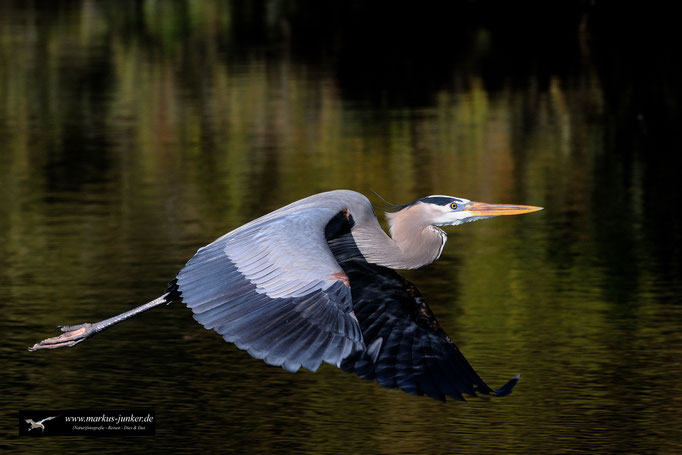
411, 245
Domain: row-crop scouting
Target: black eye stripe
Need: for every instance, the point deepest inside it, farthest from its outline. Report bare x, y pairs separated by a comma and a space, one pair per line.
439, 200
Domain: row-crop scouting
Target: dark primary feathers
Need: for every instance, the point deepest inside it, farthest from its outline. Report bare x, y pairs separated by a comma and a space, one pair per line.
406, 347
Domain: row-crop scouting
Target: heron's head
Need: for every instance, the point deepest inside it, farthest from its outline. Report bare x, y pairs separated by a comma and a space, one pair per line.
438, 210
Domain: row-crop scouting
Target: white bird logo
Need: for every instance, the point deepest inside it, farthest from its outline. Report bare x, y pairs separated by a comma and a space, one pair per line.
39, 424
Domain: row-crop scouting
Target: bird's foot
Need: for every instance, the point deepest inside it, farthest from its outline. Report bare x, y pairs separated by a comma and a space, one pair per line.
73, 334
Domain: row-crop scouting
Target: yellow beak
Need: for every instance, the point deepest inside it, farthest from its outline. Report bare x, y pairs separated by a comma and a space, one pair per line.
483, 209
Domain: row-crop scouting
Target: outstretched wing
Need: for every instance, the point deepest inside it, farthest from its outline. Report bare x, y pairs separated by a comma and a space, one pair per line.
405, 346
47, 418
273, 288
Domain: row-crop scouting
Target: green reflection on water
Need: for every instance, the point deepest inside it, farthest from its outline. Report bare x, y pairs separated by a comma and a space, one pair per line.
126, 150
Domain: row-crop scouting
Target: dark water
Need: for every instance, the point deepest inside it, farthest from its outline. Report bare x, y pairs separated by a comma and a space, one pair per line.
135, 132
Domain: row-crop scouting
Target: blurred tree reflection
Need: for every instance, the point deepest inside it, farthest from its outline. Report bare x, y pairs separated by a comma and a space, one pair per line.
136, 131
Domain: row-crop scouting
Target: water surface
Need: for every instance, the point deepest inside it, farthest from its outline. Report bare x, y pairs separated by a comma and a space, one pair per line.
135, 134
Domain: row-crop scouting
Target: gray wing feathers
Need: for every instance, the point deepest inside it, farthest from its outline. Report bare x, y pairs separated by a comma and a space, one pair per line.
269, 288
288, 256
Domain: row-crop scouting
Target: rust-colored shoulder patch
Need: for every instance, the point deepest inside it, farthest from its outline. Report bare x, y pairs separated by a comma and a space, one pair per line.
342, 277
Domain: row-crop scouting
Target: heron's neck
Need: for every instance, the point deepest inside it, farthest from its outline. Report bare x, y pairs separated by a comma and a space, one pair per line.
410, 246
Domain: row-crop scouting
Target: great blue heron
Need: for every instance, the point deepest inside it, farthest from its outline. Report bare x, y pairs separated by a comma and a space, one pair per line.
313, 281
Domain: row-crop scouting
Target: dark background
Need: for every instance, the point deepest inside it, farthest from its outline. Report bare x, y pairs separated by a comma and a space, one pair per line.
134, 132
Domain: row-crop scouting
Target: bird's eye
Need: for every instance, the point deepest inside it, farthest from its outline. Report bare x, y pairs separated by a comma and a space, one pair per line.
453, 206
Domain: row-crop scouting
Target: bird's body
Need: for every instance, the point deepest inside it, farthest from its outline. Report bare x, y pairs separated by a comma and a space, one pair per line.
312, 282
33, 425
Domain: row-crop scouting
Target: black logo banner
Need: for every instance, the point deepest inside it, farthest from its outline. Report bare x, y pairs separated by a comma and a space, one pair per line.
87, 422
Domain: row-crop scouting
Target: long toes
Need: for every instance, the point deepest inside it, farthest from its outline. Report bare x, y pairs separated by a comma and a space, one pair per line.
45, 345
72, 336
